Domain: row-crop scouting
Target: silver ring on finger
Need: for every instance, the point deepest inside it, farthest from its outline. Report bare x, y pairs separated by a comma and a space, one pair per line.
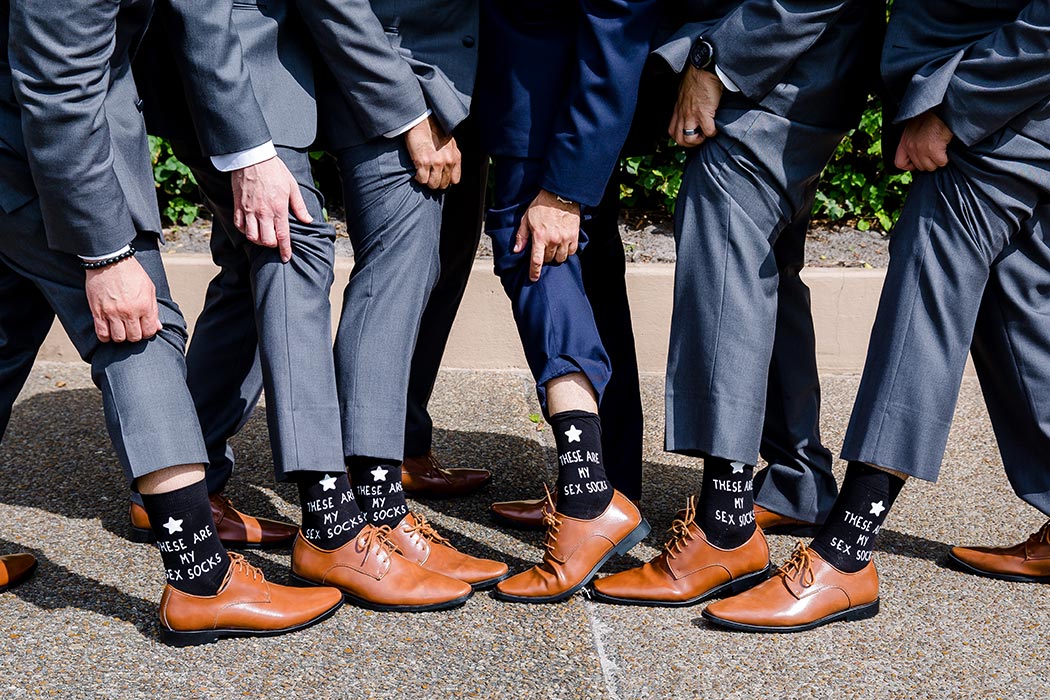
690, 132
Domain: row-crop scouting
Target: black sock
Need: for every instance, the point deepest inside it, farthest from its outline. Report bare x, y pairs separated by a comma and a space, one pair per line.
583, 489
331, 517
195, 561
727, 502
377, 484
847, 537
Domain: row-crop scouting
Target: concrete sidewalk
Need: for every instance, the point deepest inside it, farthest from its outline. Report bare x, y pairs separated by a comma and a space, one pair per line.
86, 624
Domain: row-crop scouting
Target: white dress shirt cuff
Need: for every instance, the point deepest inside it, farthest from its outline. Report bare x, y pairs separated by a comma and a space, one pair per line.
402, 129
726, 82
242, 159
114, 254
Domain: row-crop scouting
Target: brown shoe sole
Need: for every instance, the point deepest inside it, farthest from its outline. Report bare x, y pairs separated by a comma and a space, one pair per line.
729, 588
142, 535
639, 533
175, 638
25, 577
861, 612
369, 605
488, 583
960, 565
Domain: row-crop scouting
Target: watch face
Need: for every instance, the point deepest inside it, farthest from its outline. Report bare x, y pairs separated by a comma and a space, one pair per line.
701, 54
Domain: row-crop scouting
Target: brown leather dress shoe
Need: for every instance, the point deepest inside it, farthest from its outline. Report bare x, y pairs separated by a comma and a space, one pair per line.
247, 605
777, 524
424, 476
371, 573
525, 515
235, 529
1028, 562
15, 568
689, 570
575, 550
806, 592
419, 542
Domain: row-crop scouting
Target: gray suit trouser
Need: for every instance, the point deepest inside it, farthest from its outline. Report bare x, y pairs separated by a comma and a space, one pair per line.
969, 262
266, 324
741, 377
148, 409
395, 228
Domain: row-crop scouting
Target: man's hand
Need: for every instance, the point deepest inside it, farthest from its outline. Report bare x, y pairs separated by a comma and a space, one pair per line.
554, 228
924, 144
262, 195
699, 93
123, 302
435, 155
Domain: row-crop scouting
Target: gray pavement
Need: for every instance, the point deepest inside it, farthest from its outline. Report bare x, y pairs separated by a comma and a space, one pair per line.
86, 624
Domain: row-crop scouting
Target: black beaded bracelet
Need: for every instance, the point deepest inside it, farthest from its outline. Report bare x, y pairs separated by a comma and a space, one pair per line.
106, 262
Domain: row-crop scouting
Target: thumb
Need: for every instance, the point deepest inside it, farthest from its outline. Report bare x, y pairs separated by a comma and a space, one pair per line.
298, 206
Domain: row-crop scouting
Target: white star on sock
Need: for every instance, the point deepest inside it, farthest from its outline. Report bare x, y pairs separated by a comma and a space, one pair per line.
379, 474
877, 508
173, 525
573, 434
738, 467
328, 483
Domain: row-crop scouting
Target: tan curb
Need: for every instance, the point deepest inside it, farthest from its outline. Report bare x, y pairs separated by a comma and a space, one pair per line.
484, 337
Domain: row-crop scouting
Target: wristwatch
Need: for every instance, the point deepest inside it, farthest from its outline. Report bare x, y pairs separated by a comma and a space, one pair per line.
702, 55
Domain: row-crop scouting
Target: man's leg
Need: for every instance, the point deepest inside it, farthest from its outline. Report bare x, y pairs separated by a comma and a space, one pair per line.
153, 426
798, 485
395, 227
571, 368
25, 319
461, 218
1009, 350
955, 224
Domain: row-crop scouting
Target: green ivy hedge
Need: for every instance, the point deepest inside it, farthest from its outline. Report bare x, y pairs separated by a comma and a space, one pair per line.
856, 188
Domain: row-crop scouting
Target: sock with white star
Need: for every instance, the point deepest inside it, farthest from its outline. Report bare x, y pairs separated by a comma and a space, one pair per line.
726, 511
847, 538
331, 516
377, 484
195, 561
583, 488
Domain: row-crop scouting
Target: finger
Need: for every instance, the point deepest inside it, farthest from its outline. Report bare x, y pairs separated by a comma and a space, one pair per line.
251, 228
267, 233
116, 330
536, 263
101, 328
707, 126
573, 247
422, 173
561, 254
941, 158
298, 206
132, 330
457, 169
901, 158
238, 218
446, 176
521, 237
434, 182
150, 325
284, 238
548, 253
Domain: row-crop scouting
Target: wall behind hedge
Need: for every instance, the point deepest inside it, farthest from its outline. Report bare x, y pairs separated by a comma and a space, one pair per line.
856, 189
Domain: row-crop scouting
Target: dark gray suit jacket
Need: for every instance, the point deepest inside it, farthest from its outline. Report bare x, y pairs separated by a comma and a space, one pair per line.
278, 70
980, 63
390, 61
800, 59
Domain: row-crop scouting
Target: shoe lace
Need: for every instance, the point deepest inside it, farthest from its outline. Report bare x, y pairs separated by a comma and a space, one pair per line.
378, 537
551, 520
1043, 535
427, 531
680, 532
799, 566
241, 565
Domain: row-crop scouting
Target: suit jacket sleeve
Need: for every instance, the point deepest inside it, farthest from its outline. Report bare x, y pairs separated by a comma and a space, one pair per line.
613, 41
219, 90
60, 63
758, 42
1000, 76
380, 87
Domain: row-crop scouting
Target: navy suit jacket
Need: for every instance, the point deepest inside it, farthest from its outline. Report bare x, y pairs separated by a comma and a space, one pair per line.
558, 81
